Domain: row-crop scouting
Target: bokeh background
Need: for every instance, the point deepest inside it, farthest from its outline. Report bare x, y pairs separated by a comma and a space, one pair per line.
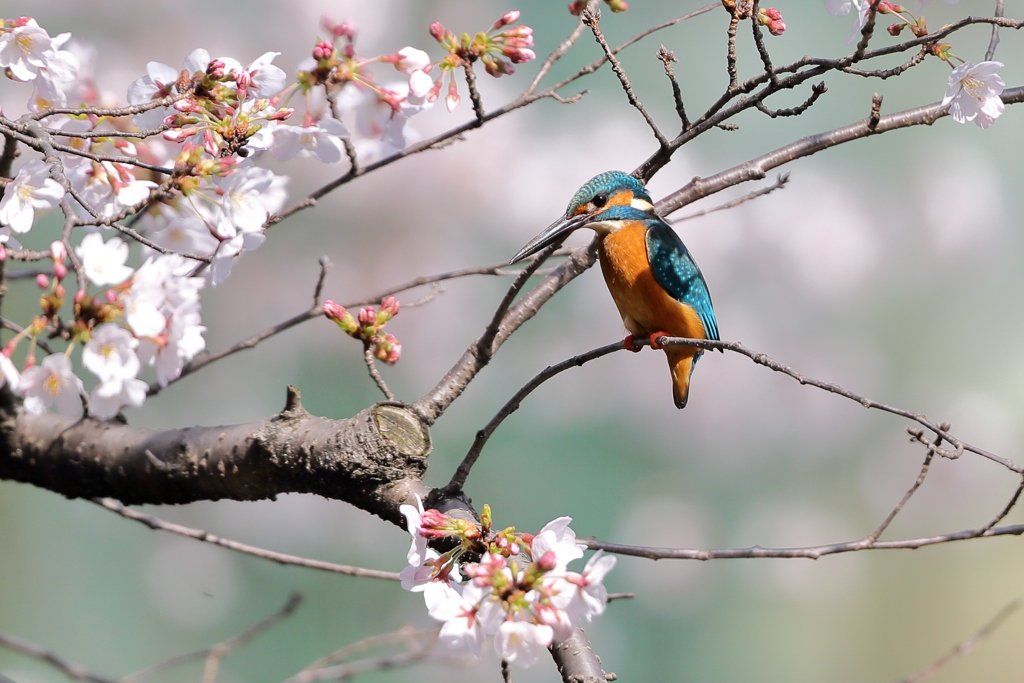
891, 266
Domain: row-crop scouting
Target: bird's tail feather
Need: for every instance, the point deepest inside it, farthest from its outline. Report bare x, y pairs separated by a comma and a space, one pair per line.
681, 363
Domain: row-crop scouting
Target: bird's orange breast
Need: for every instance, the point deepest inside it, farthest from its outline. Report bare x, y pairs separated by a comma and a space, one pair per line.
644, 305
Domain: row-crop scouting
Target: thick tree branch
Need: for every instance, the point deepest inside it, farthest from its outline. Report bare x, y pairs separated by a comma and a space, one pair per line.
373, 460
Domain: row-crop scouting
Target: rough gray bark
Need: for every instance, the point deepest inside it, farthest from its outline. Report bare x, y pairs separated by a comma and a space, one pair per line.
374, 460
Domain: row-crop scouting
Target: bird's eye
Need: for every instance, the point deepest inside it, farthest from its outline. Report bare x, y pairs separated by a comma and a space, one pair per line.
600, 200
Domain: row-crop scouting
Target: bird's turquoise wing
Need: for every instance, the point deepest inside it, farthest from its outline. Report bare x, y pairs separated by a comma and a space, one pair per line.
675, 270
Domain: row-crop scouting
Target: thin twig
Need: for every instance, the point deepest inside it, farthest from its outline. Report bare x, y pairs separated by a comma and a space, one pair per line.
966, 647
756, 169
877, 533
817, 90
506, 671
70, 669
1009, 506
591, 20
405, 634
667, 57
780, 182
371, 367
198, 534
730, 55
994, 40
811, 552
762, 49
485, 345
458, 479
325, 265
222, 649
474, 94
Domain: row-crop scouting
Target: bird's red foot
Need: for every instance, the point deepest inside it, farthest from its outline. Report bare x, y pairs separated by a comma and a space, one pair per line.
627, 344
654, 339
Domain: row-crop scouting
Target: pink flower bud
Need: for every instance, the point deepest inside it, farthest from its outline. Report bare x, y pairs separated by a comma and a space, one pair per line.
323, 50
79, 296
390, 306
777, 28
547, 561
389, 349
42, 281
510, 17
59, 291
577, 6
409, 60
888, 8
617, 5
178, 135
519, 55
209, 144
438, 30
453, 99
367, 316
111, 296
243, 79
60, 271
215, 69
3, 253
773, 14
895, 29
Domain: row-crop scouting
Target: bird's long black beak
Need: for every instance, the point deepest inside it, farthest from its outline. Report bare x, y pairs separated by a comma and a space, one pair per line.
551, 234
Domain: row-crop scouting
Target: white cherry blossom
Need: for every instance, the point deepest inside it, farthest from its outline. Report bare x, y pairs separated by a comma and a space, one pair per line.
110, 353
159, 81
521, 642
557, 537
24, 49
51, 383
104, 262
973, 93
109, 397
31, 190
322, 140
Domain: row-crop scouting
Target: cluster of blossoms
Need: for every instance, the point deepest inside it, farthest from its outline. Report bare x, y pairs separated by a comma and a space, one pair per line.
185, 165
972, 91
769, 17
520, 592
368, 327
498, 49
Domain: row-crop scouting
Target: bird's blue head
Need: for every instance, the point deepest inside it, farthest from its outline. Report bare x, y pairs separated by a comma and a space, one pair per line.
613, 195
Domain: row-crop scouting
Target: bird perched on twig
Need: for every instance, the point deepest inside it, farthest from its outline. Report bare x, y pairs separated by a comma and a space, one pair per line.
656, 285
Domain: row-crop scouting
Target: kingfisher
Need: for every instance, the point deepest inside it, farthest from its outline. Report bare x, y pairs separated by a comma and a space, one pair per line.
655, 283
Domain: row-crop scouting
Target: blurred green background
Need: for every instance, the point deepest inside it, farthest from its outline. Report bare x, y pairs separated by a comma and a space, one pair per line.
891, 266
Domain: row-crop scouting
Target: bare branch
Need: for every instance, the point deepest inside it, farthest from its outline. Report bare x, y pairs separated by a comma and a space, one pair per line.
994, 40
281, 558
406, 635
458, 479
591, 19
812, 552
474, 94
756, 169
877, 533
433, 404
966, 647
70, 669
780, 182
222, 649
762, 359
371, 367
667, 57
817, 90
